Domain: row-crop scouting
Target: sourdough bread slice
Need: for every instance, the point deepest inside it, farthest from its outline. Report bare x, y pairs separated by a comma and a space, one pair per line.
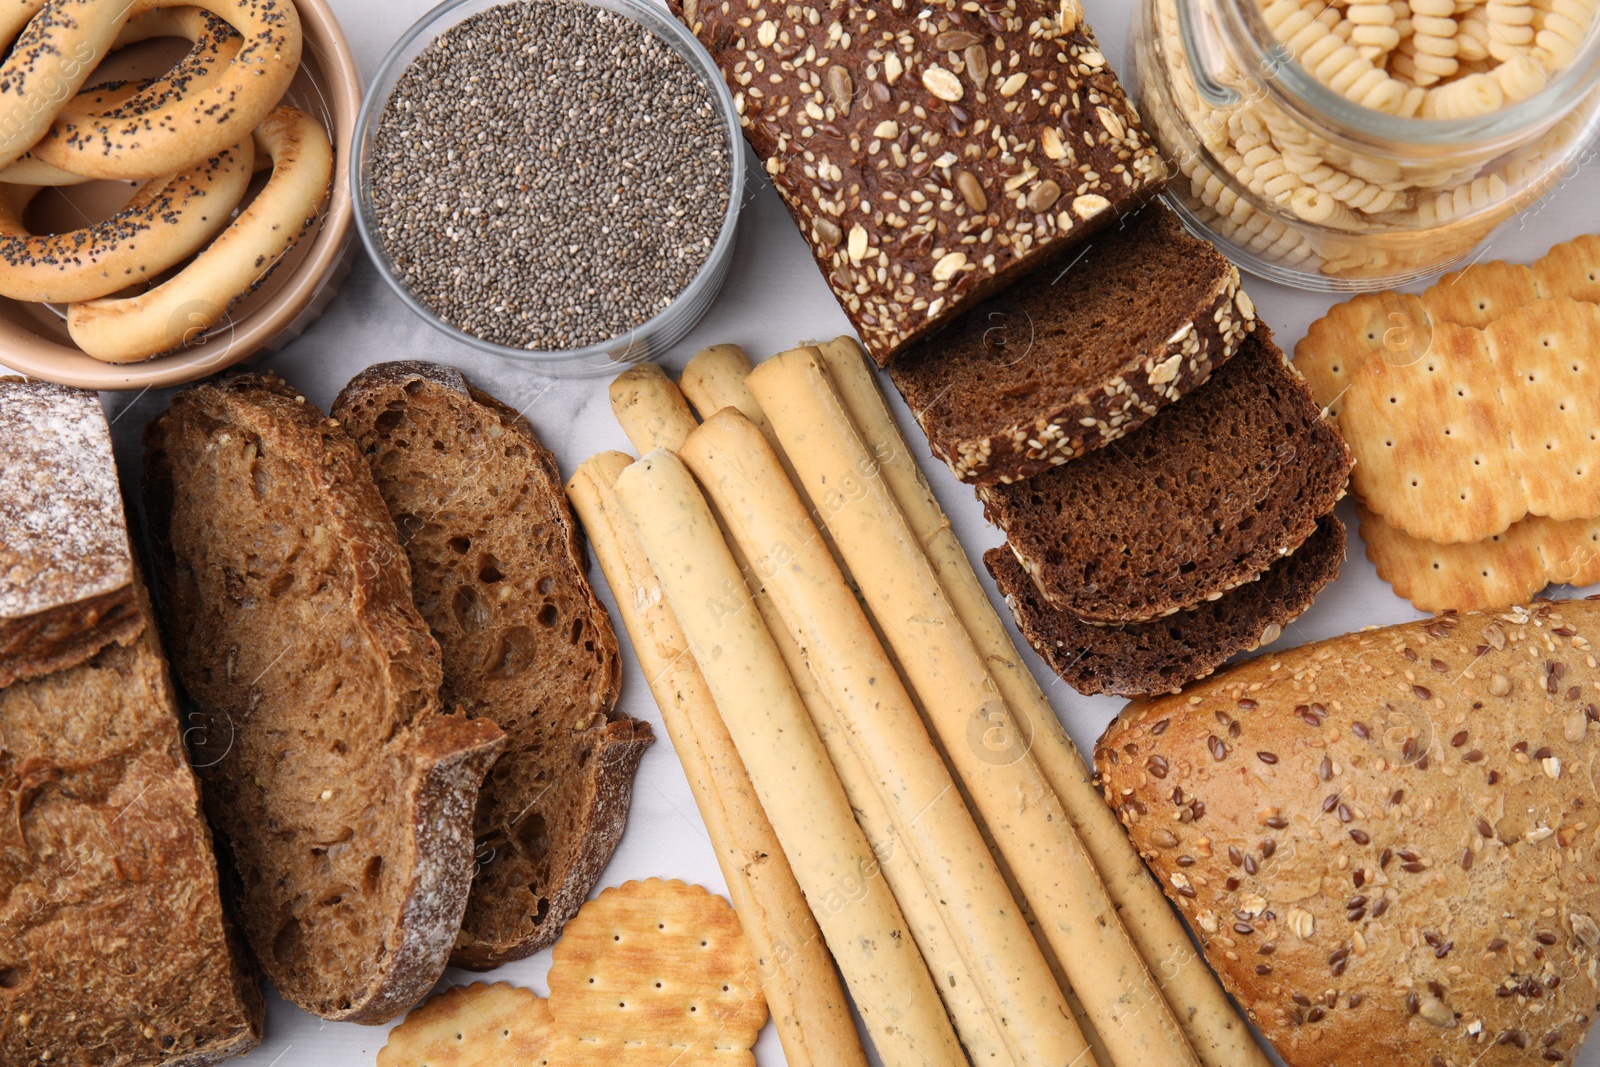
1385, 841
344, 796
1076, 354
66, 570
498, 572
1163, 655
1198, 501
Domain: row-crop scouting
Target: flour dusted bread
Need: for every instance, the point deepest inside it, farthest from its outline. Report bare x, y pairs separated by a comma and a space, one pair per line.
1387, 841
498, 573
342, 793
66, 571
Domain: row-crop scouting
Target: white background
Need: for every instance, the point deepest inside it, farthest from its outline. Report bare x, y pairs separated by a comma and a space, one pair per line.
774, 298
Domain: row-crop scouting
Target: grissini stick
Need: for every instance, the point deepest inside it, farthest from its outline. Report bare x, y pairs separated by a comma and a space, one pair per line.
743, 476
714, 379
653, 414
1011, 796
797, 974
786, 761
1219, 1036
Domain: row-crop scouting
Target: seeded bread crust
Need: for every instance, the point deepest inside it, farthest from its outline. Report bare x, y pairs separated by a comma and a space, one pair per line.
345, 797
1198, 501
498, 570
114, 946
1164, 655
1386, 841
66, 570
993, 414
866, 114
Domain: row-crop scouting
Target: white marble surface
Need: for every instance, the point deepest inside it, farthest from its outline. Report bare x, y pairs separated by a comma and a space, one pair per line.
773, 299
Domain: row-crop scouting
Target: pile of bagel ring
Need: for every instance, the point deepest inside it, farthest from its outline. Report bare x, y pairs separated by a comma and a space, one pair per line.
192, 136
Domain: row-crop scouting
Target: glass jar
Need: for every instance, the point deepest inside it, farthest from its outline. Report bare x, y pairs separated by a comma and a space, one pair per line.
1300, 184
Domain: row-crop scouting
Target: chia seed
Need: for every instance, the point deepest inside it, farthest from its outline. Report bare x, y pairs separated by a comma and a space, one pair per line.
549, 175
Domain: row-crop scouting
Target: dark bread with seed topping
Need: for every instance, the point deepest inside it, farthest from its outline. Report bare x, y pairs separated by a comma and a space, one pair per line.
1386, 841
1163, 655
343, 794
930, 152
1197, 501
498, 573
1078, 354
66, 569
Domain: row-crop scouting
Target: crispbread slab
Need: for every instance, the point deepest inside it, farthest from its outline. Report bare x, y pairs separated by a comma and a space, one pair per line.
658, 963
1502, 569
1399, 324
479, 1025
1486, 427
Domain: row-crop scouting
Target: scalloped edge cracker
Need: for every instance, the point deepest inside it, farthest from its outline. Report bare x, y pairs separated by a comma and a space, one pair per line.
1507, 568
481, 1025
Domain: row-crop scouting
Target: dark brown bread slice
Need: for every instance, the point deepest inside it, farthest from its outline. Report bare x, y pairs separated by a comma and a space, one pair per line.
345, 797
66, 571
114, 947
1075, 356
1198, 501
1163, 655
498, 571
930, 152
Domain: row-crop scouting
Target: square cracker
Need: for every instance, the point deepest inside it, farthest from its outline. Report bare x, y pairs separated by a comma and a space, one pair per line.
1507, 568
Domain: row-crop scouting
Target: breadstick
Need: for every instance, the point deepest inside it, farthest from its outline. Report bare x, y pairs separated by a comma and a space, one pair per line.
740, 472
749, 683
797, 974
651, 409
1218, 1034
1010, 794
714, 379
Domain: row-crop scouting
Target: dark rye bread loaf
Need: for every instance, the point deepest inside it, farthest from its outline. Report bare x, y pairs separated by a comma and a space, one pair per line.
1075, 356
66, 570
1163, 655
498, 572
114, 946
930, 152
344, 796
1198, 501
1386, 842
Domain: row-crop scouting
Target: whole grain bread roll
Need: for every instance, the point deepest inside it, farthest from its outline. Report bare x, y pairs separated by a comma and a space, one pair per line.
1386, 841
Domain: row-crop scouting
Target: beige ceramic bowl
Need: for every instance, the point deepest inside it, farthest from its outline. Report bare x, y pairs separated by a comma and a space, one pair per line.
33, 337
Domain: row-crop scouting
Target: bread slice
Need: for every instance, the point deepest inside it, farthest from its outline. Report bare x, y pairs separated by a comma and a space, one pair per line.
1385, 841
498, 571
66, 571
1163, 655
1076, 354
344, 796
1201, 499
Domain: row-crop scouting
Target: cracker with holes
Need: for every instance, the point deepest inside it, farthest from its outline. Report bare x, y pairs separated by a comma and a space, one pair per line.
1504, 569
1486, 427
649, 974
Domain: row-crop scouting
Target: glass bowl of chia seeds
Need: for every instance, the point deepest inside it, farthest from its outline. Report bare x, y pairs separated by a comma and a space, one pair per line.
556, 182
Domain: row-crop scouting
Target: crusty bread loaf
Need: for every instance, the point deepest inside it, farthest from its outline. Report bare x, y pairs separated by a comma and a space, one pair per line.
66, 571
114, 947
1197, 501
1163, 655
344, 796
930, 152
1072, 358
1387, 841
498, 573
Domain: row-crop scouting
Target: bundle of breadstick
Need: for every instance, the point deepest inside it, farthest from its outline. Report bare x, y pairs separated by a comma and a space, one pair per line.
1473, 411
193, 136
848, 705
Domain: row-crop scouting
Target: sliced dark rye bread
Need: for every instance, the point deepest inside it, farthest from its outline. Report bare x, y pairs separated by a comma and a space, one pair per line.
1198, 501
343, 794
1076, 354
498, 572
1163, 655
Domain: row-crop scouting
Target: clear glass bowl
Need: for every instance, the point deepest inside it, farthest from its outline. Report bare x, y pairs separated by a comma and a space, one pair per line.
643, 342
1296, 183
